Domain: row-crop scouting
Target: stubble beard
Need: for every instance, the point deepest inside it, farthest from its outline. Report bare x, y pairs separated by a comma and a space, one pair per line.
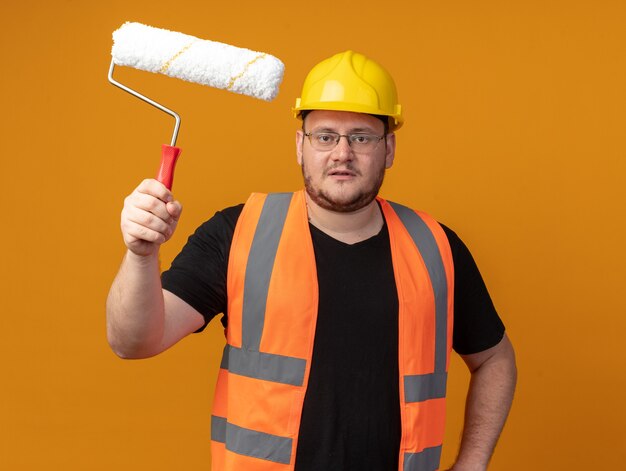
358, 201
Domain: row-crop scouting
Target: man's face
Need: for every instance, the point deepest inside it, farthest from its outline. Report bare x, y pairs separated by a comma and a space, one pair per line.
340, 179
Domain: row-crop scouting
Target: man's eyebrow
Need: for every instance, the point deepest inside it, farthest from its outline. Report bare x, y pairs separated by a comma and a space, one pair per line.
365, 130
325, 129
351, 131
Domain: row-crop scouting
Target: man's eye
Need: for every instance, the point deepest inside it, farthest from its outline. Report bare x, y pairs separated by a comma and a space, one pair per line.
360, 138
325, 138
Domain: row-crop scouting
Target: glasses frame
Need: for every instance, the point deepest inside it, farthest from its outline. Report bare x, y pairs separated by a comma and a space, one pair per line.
347, 136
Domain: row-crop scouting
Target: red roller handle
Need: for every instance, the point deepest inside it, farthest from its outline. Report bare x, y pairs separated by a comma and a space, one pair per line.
169, 156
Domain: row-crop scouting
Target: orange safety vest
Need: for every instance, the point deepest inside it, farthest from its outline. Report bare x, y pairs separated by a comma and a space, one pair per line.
272, 310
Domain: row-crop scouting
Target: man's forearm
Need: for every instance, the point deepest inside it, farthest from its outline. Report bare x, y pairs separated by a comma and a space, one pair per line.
488, 403
135, 309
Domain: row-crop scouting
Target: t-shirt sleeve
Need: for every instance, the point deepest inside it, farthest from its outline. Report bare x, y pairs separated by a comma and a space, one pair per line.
198, 273
477, 325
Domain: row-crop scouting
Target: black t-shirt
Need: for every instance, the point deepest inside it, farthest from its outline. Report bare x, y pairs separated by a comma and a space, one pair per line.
351, 414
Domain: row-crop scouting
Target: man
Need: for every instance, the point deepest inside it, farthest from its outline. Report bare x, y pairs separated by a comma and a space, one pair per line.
338, 304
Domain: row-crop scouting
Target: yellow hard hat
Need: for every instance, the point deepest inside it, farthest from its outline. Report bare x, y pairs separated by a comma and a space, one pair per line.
349, 81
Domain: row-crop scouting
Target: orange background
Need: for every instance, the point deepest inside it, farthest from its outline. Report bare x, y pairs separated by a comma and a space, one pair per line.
514, 137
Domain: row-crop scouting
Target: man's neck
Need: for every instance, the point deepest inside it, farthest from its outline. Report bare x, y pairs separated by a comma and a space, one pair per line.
349, 228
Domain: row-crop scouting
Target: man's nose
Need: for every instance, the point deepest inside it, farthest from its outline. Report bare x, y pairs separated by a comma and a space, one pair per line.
342, 151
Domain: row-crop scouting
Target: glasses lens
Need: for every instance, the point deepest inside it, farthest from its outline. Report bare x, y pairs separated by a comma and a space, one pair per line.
363, 142
323, 140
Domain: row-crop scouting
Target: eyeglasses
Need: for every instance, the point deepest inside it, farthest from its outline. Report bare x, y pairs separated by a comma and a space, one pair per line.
358, 142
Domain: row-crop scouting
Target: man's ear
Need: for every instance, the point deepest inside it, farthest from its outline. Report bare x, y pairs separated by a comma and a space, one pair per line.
391, 149
299, 143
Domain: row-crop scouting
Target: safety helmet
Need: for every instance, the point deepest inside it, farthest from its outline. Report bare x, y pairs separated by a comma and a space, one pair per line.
349, 81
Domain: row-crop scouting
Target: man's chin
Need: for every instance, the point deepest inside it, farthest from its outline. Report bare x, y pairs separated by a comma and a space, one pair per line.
343, 204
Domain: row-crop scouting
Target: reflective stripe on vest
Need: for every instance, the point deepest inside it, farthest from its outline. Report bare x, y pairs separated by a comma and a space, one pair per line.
259, 365
426, 460
282, 379
250, 442
419, 388
259, 267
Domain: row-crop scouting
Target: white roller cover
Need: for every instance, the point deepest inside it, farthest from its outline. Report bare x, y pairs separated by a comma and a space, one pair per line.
197, 60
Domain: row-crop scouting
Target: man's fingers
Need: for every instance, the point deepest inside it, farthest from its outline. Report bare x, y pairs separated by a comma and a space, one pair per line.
134, 232
148, 220
174, 210
149, 204
152, 187
149, 217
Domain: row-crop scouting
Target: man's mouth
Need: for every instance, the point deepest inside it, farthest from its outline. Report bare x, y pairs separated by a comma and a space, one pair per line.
341, 173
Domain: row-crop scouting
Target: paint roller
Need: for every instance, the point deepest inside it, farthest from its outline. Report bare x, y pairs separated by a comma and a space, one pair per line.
179, 55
